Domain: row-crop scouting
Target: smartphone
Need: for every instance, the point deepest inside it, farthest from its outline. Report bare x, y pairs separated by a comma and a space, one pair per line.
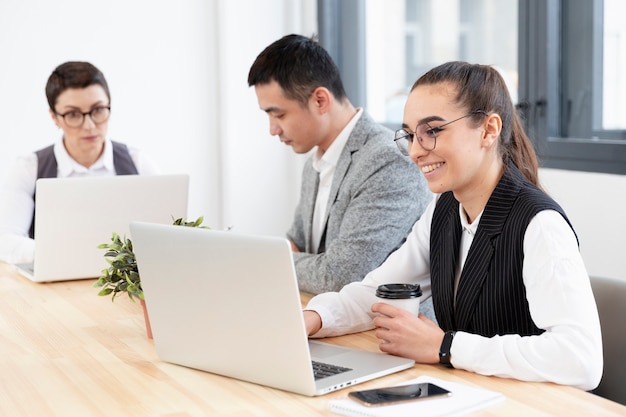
392, 395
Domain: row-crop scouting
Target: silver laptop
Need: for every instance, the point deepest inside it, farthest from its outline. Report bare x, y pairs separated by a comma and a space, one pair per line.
74, 215
229, 304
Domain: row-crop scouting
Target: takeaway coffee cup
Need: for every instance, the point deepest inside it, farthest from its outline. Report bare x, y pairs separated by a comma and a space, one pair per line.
406, 296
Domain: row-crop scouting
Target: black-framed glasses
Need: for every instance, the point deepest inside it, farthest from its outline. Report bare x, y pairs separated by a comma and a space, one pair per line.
75, 118
425, 133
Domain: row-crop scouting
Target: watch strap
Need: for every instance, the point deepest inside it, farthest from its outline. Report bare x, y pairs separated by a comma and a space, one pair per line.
444, 350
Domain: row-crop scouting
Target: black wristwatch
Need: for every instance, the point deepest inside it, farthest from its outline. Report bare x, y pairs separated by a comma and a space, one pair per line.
444, 350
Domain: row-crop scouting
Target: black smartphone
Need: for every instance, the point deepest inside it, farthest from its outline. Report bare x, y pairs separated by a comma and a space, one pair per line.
391, 395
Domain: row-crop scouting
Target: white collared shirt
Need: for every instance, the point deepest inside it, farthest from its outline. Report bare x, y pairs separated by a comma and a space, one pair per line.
325, 163
18, 189
68, 167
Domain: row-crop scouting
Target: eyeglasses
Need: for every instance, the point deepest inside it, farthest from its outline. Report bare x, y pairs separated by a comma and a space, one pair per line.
74, 118
425, 133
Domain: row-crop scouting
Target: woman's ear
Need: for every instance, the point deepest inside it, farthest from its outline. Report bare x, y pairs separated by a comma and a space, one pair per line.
493, 127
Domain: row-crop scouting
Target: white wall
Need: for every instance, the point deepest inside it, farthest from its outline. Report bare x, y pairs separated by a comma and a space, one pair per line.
177, 73
595, 205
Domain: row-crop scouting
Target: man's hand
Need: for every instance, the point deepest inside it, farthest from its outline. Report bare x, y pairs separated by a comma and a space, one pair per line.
312, 321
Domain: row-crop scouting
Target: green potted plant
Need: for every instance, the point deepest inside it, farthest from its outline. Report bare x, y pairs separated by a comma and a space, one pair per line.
122, 275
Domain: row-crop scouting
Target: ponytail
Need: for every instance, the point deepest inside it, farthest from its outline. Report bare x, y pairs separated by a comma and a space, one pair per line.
521, 152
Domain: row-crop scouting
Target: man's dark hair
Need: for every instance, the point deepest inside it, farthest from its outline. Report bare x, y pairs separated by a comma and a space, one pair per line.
299, 65
73, 75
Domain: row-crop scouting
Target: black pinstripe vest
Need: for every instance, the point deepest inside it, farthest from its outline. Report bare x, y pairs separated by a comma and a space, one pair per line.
491, 297
47, 167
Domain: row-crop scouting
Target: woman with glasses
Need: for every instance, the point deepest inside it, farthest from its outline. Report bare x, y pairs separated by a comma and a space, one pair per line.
498, 256
80, 106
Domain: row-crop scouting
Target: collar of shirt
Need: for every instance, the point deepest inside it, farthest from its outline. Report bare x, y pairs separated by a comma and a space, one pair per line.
324, 161
467, 227
68, 167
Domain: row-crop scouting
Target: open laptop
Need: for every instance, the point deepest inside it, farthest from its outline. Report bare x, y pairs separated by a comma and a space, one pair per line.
229, 304
75, 215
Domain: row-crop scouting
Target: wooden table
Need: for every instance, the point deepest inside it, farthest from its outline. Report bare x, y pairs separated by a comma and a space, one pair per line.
66, 352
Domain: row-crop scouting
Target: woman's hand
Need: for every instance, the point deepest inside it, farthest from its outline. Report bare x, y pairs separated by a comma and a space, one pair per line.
406, 335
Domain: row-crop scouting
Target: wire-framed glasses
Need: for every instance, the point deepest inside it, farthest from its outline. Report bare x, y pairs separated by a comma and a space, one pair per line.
425, 133
75, 118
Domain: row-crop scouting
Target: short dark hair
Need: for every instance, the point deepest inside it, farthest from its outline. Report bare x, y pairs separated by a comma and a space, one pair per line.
73, 74
299, 65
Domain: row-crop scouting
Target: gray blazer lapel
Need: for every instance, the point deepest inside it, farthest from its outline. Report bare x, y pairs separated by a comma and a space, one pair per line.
310, 183
356, 140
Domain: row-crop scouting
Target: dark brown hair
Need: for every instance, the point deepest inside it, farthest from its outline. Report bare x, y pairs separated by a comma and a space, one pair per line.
74, 74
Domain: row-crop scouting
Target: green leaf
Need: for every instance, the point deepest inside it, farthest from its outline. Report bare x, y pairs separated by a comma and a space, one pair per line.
105, 291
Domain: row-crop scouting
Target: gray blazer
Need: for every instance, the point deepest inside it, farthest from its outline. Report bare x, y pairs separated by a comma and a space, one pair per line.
375, 198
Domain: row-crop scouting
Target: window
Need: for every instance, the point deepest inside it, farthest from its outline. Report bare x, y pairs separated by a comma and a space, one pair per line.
614, 66
564, 61
570, 83
405, 38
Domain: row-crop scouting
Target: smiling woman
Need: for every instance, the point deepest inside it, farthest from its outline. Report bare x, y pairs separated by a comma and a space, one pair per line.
492, 249
80, 105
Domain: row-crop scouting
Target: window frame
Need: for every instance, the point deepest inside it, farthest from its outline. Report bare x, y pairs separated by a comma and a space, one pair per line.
341, 31
544, 82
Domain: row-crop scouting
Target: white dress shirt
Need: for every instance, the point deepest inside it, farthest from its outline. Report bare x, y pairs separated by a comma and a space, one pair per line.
558, 292
325, 163
18, 189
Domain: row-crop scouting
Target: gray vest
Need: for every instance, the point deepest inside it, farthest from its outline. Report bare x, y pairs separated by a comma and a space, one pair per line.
47, 167
491, 297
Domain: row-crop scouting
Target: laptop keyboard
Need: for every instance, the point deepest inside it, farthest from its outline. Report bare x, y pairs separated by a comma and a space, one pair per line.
323, 370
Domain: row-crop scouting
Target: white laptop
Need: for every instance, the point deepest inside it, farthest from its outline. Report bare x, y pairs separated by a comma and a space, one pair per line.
75, 215
229, 304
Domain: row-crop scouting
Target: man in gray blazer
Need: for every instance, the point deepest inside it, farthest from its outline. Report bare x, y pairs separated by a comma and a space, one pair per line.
359, 196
